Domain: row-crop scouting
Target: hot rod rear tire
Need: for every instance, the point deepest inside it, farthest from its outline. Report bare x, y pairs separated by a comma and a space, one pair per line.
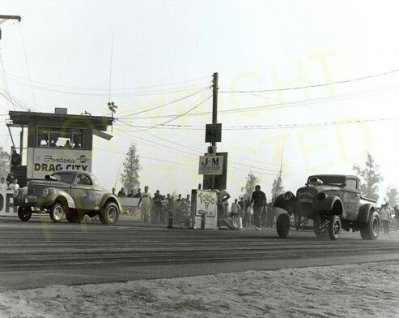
371, 230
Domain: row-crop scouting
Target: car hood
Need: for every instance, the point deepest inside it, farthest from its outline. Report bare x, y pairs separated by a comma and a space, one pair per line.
313, 190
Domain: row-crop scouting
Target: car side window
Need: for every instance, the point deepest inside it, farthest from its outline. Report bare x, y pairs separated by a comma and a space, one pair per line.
83, 179
351, 184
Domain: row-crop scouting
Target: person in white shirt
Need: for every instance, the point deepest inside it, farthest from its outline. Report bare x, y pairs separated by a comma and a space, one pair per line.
146, 205
385, 217
14, 186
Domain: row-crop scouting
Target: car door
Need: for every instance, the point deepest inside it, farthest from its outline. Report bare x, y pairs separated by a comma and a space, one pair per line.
83, 193
350, 197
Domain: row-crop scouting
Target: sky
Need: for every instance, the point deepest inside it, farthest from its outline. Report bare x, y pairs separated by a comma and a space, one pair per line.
305, 86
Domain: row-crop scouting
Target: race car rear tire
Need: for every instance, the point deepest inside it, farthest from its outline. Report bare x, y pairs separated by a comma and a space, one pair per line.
334, 227
110, 214
371, 230
283, 225
57, 212
24, 213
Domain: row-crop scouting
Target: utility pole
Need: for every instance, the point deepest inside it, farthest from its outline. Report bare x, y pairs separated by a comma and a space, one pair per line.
215, 87
4, 18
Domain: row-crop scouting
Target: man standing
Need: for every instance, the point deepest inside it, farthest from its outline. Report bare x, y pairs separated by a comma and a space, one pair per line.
235, 209
146, 205
385, 217
396, 209
259, 200
158, 208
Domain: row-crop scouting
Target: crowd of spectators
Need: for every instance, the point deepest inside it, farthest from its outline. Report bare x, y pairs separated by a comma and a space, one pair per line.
158, 208
9, 183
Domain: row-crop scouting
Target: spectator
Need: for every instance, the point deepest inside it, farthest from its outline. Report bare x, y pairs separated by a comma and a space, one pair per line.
246, 211
222, 197
385, 217
3, 185
113, 191
259, 202
169, 202
235, 209
9, 179
138, 194
122, 193
15, 157
396, 209
146, 205
158, 208
130, 194
14, 186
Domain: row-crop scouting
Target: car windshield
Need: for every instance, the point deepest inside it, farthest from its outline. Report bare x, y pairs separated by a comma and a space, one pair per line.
333, 180
63, 177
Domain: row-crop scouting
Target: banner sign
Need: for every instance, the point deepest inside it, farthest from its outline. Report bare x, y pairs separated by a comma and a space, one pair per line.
210, 165
206, 204
129, 205
42, 161
7, 203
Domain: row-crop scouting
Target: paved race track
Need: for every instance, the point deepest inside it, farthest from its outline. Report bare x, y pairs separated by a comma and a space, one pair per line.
40, 253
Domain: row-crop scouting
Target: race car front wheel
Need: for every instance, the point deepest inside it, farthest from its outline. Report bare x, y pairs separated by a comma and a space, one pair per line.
24, 213
283, 225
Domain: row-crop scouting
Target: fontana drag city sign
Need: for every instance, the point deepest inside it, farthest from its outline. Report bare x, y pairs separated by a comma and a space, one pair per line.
49, 160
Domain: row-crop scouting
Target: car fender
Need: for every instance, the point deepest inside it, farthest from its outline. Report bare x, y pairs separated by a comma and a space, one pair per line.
364, 212
55, 194
327, 204
112, 198
286, 201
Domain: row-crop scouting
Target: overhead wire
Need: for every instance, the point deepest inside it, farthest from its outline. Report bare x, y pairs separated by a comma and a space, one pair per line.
6, 90
128, 91
27, 65
164, 104
195, 151
281, 105
356, 79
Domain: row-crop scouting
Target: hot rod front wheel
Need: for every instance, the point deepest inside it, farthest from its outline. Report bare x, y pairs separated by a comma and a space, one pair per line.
283, 225
334, 227
110, 214
57, 212
24, 213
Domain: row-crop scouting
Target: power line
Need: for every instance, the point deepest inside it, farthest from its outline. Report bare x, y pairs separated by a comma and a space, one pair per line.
165, 104
195, 151
103, 91
298, 103
27, 66
311, 86
185, 113
176, 116
278, 126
